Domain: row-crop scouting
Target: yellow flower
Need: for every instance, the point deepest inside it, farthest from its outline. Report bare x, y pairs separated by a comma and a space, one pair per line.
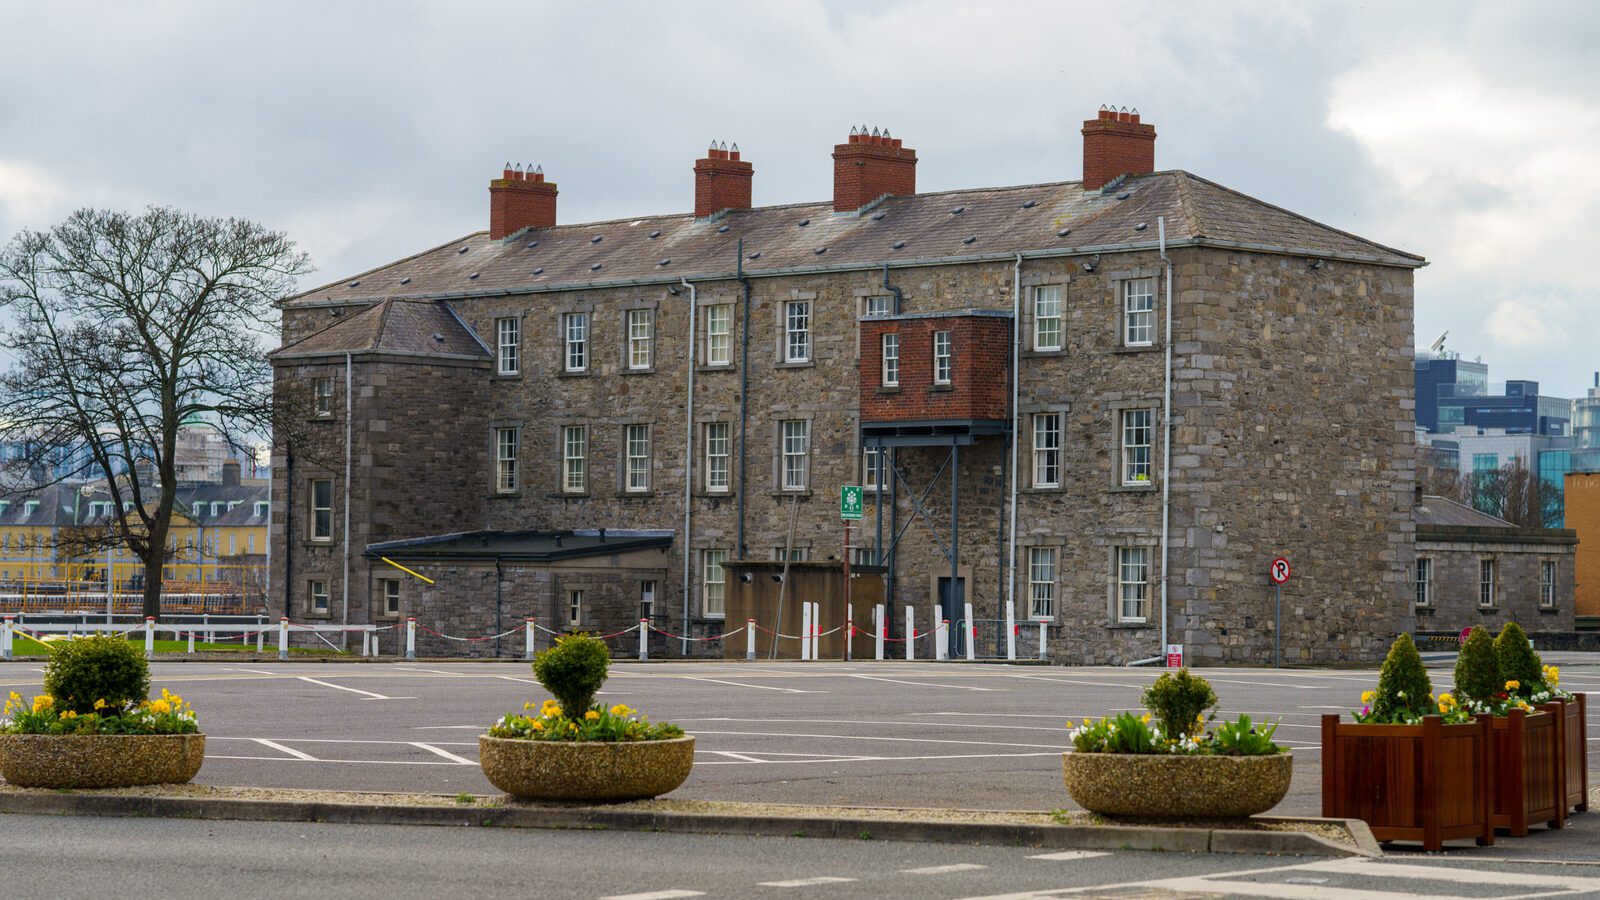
572, 726
1513, 684
43, 702
1069, 724
69, 714
99, 705
1145, 718
1446, 701
160, 707
538, 725
591, 715
621, 709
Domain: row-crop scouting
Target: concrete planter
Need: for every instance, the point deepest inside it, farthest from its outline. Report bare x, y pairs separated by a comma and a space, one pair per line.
1139, 784
587, 771
100, 760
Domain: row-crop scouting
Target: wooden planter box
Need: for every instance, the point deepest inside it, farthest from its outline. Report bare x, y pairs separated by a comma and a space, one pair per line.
1575, 737
1428, 783
1529, 769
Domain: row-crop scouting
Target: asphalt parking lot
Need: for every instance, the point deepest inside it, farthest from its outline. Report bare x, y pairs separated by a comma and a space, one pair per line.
865, 733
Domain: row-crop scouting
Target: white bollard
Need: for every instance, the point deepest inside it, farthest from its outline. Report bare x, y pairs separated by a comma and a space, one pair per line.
5, 638
972, 636
528, 637
1011, 629
411, 637
878, 626
750, 639
366, 641
261, 637
911, 632
644, 640
191, 643
816, 630
805, 631
1044, 639
283, 638
149, 637
849, 630
941, 639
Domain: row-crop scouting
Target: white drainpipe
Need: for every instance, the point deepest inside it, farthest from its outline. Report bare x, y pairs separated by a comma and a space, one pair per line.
344, 636
688, 469
1016, 438
1166, 435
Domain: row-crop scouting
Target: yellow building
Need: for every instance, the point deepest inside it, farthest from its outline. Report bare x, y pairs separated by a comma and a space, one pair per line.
1583, 516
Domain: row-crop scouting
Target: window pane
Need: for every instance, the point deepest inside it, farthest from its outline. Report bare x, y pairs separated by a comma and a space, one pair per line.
577, 342
871, 465
941, 357
796, 447
713, 582
1047, 318
575, 458
321, 509
1139, 303
719, 347
509, 334
641, 333
891, 359
1047, 450
797, 331
638, 461
1133, 583
1042, 581
505, 459
879, 306
1136, 446
718, 445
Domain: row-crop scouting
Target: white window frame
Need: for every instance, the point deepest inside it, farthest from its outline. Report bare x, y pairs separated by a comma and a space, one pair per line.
872, 464
322, 396
797, 331
1136, 455
508, 344
1047, 297
1547, 583
1422, 576
507, 444
719, 334
719, 454
389, 596
574, 459
321, 513
317, 591
648, 588
1043, 566
1047, 449
713, 583
877, 305
641, 324
891, 359
1133, 584
795, 554
575, 342
575, 598
1488, 590
636, 458
943, 357
794, 448
1139, 312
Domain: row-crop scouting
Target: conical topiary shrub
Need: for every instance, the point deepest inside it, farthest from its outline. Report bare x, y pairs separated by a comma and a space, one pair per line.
1404, 691
1477, 671
573, 671
1513, 654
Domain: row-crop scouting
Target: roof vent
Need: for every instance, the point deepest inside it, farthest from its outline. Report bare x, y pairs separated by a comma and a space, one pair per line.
969, 239
756, 255
595, 267
722, 230
1029, 204
356, 283
898, 244
878, 217
539, 271
655, 234
1141, 226
438, 337
802, 223
1064, 232
665, 262
1124, 195
406, 280
463, 249
595, 239
958, 211
820, 250
532, 244
473, 276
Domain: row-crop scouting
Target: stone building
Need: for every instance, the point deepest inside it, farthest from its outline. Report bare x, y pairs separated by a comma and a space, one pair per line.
720, 375
1475, 569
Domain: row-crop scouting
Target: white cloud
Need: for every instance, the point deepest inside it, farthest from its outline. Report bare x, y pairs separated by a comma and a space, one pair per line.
28, 194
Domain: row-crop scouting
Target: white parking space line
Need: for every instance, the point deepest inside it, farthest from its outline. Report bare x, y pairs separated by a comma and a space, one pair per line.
1066, 855
669, 894
761, 687
878, 737
731, 755
340, 687
444, 753
1081, 682
282, 749
913, 724
806, 882
959, 687
834, 760
256, 671
943, 870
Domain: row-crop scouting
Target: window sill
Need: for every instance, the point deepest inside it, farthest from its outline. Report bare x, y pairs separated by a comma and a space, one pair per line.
507, 376
889, 389
940, 388
565, 373
314, 614
716, 367
715, 495
1129, 626
1057, 489
505, 495
1141, 488
1488, 610
804, 495
1139, 348
567, 495
795, 364
320, 417
317, 542
635, 495
1549, 610
648, 370
1028, 354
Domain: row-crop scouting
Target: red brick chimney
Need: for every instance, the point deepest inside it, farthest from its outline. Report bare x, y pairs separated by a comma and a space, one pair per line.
870, 166
721, 181
519, 200
1114, 143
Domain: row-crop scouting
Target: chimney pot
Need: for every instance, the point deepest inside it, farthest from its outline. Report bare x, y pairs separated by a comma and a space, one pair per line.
517, 201
721, 181
1116, 143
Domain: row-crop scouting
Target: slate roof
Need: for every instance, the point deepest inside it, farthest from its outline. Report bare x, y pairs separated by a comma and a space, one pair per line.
988, 223
1441, 511
395, 326
532, 546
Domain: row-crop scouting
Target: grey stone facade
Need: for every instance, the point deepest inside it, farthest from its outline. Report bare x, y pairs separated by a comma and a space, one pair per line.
1291, 424
1473, 569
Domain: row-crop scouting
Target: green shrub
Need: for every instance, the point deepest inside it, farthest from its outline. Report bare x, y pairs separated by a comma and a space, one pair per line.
1477, 671
573, 671
1404, 691
1179, 701
102, 667
1513, 653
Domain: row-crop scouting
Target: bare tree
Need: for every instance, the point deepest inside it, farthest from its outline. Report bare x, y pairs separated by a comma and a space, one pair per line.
124, 327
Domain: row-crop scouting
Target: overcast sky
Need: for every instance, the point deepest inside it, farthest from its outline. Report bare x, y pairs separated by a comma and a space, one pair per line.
1467, 132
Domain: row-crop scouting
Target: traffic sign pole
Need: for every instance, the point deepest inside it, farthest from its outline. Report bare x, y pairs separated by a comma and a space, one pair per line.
1279, 573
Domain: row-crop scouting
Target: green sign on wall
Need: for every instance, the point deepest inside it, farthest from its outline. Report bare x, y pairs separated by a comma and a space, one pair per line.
850, 502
